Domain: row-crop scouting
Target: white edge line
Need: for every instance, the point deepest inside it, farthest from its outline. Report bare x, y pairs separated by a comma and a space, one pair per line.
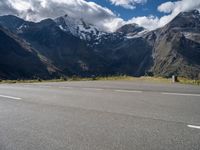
181, 94
193, 126
10, 97
128, 91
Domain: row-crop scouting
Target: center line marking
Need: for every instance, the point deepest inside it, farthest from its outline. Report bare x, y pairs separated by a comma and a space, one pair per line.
99, 89
44, 86
128, 91
65, 87
95, 89
182, 94
10, 97
193, 126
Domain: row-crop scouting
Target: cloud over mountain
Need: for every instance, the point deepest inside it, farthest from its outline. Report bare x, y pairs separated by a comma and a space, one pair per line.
171, 9
36, 10
91, 12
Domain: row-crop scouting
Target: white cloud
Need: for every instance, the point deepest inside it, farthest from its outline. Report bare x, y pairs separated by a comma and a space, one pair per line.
36, 10
113, 24
149, 22
173, 8
167, 7
129, 4
23, 5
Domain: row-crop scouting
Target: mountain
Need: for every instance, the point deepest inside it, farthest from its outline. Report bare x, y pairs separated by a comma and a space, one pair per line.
176, 47
12, 23
77, 27
68, 46
18, 60
132, 30
69, 53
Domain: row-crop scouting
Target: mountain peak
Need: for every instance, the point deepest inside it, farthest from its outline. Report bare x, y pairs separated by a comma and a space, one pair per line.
77, 27
72, 20
189, 20
11, 22
132, 30
193, 14
189, 13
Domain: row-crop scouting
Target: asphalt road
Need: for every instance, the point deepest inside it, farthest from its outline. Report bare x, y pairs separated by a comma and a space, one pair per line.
99, 115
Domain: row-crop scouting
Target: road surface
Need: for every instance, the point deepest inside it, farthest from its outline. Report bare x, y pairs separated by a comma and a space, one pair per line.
99, 115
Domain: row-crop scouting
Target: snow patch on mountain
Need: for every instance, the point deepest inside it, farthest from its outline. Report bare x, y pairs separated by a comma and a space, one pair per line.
78, 27
137, 35
23, 27
192, 36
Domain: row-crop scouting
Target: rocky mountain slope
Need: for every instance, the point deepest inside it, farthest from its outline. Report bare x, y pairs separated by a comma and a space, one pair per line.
18, 60
69, 46
176, 47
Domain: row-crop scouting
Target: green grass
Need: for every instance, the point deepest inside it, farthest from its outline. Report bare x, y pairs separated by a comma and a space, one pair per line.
110, 78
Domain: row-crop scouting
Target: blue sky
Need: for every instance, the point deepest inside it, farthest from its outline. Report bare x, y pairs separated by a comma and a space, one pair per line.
146, 9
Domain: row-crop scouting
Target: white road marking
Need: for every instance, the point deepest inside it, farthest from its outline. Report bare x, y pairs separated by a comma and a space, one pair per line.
95, 89
65, 87
27, 85
10, 97
98, 89
181, 94
193, 126
44, 86
128, 91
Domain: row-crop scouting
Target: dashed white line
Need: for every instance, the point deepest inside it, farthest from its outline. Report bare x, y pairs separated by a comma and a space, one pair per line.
128, 91
10, 97
27, 85
65, 87
98, 89
181, 94
95, 89
193, 126
44, 86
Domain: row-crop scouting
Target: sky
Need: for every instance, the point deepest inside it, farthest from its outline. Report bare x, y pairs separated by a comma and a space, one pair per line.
144, 9
108, 15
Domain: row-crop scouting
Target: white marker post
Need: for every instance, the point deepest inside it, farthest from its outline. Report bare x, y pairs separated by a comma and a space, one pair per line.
174, 79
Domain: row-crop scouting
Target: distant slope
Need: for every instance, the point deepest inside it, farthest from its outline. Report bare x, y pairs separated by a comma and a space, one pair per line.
177, 47
67, 52
18, 60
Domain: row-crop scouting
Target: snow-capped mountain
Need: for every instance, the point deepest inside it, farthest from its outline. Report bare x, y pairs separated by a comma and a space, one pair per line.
132, 31
86, 31
93, 35
75, 26
71, 46
78, 27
